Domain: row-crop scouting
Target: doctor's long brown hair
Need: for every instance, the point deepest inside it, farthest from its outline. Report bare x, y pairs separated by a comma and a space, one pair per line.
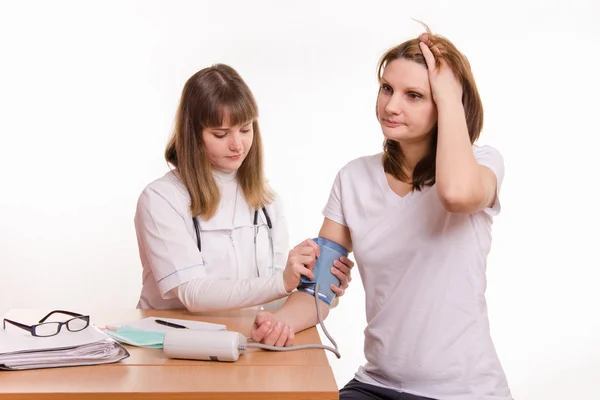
207, 97
393, 158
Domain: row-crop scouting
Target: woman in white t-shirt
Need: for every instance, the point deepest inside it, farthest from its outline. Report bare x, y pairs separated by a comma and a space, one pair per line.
418, 218
211, 234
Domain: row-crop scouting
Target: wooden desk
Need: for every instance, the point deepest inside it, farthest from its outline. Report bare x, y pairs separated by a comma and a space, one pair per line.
149, 374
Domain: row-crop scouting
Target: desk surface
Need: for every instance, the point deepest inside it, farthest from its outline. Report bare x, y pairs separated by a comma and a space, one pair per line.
149, 374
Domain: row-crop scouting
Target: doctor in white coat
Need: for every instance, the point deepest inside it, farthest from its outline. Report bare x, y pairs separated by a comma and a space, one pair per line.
211, 233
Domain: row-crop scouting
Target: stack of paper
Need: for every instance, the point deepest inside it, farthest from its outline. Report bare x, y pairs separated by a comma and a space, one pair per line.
20, 351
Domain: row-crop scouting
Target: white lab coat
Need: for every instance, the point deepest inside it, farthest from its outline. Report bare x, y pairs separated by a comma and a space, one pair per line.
170, 257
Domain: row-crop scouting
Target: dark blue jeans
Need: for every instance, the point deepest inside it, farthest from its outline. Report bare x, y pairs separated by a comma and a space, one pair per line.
355, 390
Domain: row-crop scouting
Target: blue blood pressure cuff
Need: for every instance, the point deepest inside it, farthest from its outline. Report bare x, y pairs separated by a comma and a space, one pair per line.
329, 252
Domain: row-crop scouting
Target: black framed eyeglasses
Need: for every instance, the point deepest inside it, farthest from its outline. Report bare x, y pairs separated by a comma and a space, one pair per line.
45, 329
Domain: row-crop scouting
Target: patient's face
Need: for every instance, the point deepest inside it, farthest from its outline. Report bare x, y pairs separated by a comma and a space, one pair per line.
405, 107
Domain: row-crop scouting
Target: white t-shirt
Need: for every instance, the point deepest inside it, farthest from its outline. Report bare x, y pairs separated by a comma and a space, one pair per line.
423, 270
230, 274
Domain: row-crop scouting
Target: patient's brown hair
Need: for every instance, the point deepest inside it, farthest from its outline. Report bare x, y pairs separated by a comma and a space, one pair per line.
393, 159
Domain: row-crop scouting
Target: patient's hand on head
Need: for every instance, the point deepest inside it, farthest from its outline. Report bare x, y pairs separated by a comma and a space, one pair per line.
267, 329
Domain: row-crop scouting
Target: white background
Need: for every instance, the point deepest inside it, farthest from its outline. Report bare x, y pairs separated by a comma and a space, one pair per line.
88, 92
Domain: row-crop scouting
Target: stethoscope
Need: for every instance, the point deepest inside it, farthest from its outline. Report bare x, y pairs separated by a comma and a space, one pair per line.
269, 226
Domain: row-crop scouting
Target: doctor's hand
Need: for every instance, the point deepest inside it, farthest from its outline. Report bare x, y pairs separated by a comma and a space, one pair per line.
301, 261
268, 330
342, 271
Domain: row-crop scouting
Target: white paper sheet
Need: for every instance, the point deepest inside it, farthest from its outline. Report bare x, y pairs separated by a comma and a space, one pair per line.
14, 339
149, 324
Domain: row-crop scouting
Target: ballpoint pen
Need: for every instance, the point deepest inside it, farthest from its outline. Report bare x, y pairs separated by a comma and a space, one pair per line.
170, 324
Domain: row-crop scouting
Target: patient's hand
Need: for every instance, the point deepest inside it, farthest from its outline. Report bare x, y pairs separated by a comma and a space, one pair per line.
268, 330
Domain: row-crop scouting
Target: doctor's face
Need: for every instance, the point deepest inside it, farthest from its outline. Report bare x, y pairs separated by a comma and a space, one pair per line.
227, 146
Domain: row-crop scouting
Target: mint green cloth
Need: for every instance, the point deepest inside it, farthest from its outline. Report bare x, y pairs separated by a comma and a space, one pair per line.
137, 337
